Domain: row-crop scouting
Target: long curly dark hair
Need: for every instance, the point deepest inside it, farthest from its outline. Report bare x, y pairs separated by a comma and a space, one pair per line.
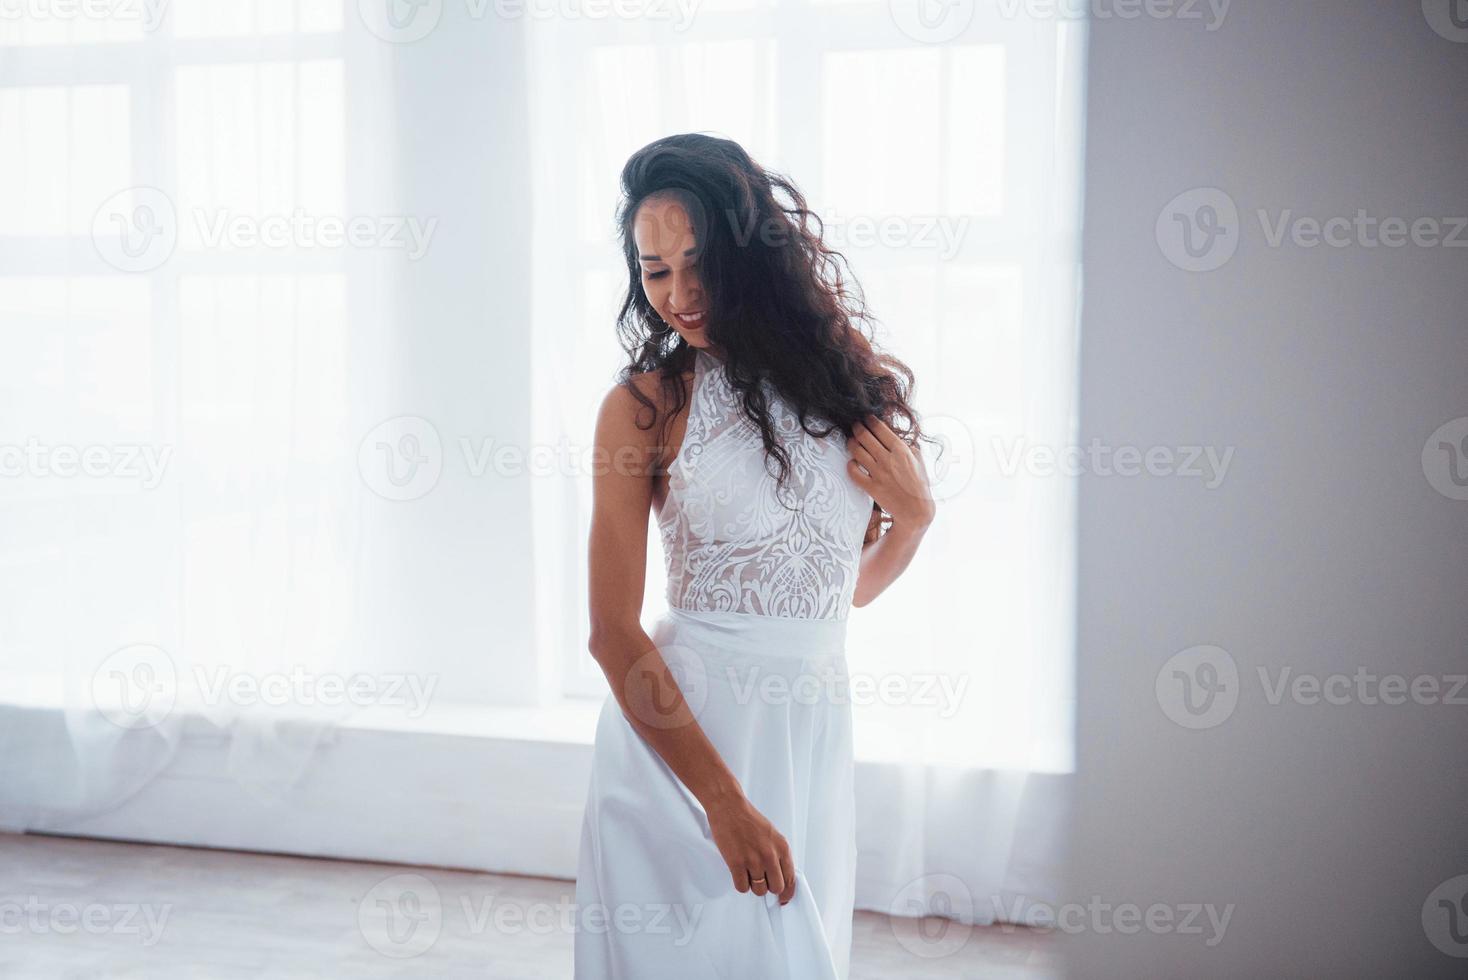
778, 304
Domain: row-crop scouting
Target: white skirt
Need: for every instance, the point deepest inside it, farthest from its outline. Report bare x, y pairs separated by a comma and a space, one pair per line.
655, 900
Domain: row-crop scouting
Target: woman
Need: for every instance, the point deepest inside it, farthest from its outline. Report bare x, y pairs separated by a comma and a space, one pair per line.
719, 836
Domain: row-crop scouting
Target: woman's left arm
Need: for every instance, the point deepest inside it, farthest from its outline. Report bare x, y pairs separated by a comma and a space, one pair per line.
885, 467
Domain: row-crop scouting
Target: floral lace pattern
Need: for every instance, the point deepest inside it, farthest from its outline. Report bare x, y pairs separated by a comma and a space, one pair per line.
729, 542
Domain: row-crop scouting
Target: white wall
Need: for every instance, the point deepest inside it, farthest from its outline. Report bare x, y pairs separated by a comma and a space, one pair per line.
1324, 549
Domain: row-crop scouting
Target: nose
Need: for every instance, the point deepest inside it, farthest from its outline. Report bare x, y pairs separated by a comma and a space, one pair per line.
686, 294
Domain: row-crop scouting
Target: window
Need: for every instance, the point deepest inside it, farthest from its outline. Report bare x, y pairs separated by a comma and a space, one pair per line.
949, 176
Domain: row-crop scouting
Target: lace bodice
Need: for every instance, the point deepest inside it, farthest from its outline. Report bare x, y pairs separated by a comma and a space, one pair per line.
729, 544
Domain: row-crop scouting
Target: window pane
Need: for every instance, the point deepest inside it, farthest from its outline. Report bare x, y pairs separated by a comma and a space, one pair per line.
238, 18
976, 134
65, 151
880, 141
258, 141
33, 23
637, 93
87, 347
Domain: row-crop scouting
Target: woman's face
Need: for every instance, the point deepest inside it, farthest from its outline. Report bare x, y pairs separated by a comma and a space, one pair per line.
668, 253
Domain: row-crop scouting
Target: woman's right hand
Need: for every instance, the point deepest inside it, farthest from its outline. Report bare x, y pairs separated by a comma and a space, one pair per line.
752, 847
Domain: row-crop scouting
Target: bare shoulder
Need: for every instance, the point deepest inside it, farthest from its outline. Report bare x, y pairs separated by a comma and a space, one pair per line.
626, 422
620, 407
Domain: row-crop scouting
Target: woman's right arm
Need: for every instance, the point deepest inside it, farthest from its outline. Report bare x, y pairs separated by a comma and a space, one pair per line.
636, 671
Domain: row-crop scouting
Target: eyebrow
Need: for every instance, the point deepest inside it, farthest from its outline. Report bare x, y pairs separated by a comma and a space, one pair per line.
659, 258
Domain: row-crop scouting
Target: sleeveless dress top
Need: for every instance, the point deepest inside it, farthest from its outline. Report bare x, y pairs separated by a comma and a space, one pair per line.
732, 541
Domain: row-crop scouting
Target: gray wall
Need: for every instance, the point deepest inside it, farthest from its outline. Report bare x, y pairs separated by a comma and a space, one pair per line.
1325, 549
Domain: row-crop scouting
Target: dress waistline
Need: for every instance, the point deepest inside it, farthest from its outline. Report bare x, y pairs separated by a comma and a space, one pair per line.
769, 636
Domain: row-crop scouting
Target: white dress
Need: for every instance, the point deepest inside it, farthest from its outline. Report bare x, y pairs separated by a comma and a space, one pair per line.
758, 595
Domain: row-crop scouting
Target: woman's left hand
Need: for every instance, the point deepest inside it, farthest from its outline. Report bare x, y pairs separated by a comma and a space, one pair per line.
885, 467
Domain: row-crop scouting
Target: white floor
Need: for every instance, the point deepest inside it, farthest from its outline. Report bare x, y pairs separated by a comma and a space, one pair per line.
74, 908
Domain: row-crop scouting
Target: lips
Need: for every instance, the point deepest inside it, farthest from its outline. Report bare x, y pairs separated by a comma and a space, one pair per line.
692, 321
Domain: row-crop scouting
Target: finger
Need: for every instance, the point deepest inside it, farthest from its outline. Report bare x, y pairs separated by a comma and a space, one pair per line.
775, 876
866, 437
864, 456
859, 476
759, 881
787, 871
883, 432
741, 880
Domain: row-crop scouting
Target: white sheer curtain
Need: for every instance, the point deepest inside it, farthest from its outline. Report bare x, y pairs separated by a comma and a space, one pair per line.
191, 360
949, 175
